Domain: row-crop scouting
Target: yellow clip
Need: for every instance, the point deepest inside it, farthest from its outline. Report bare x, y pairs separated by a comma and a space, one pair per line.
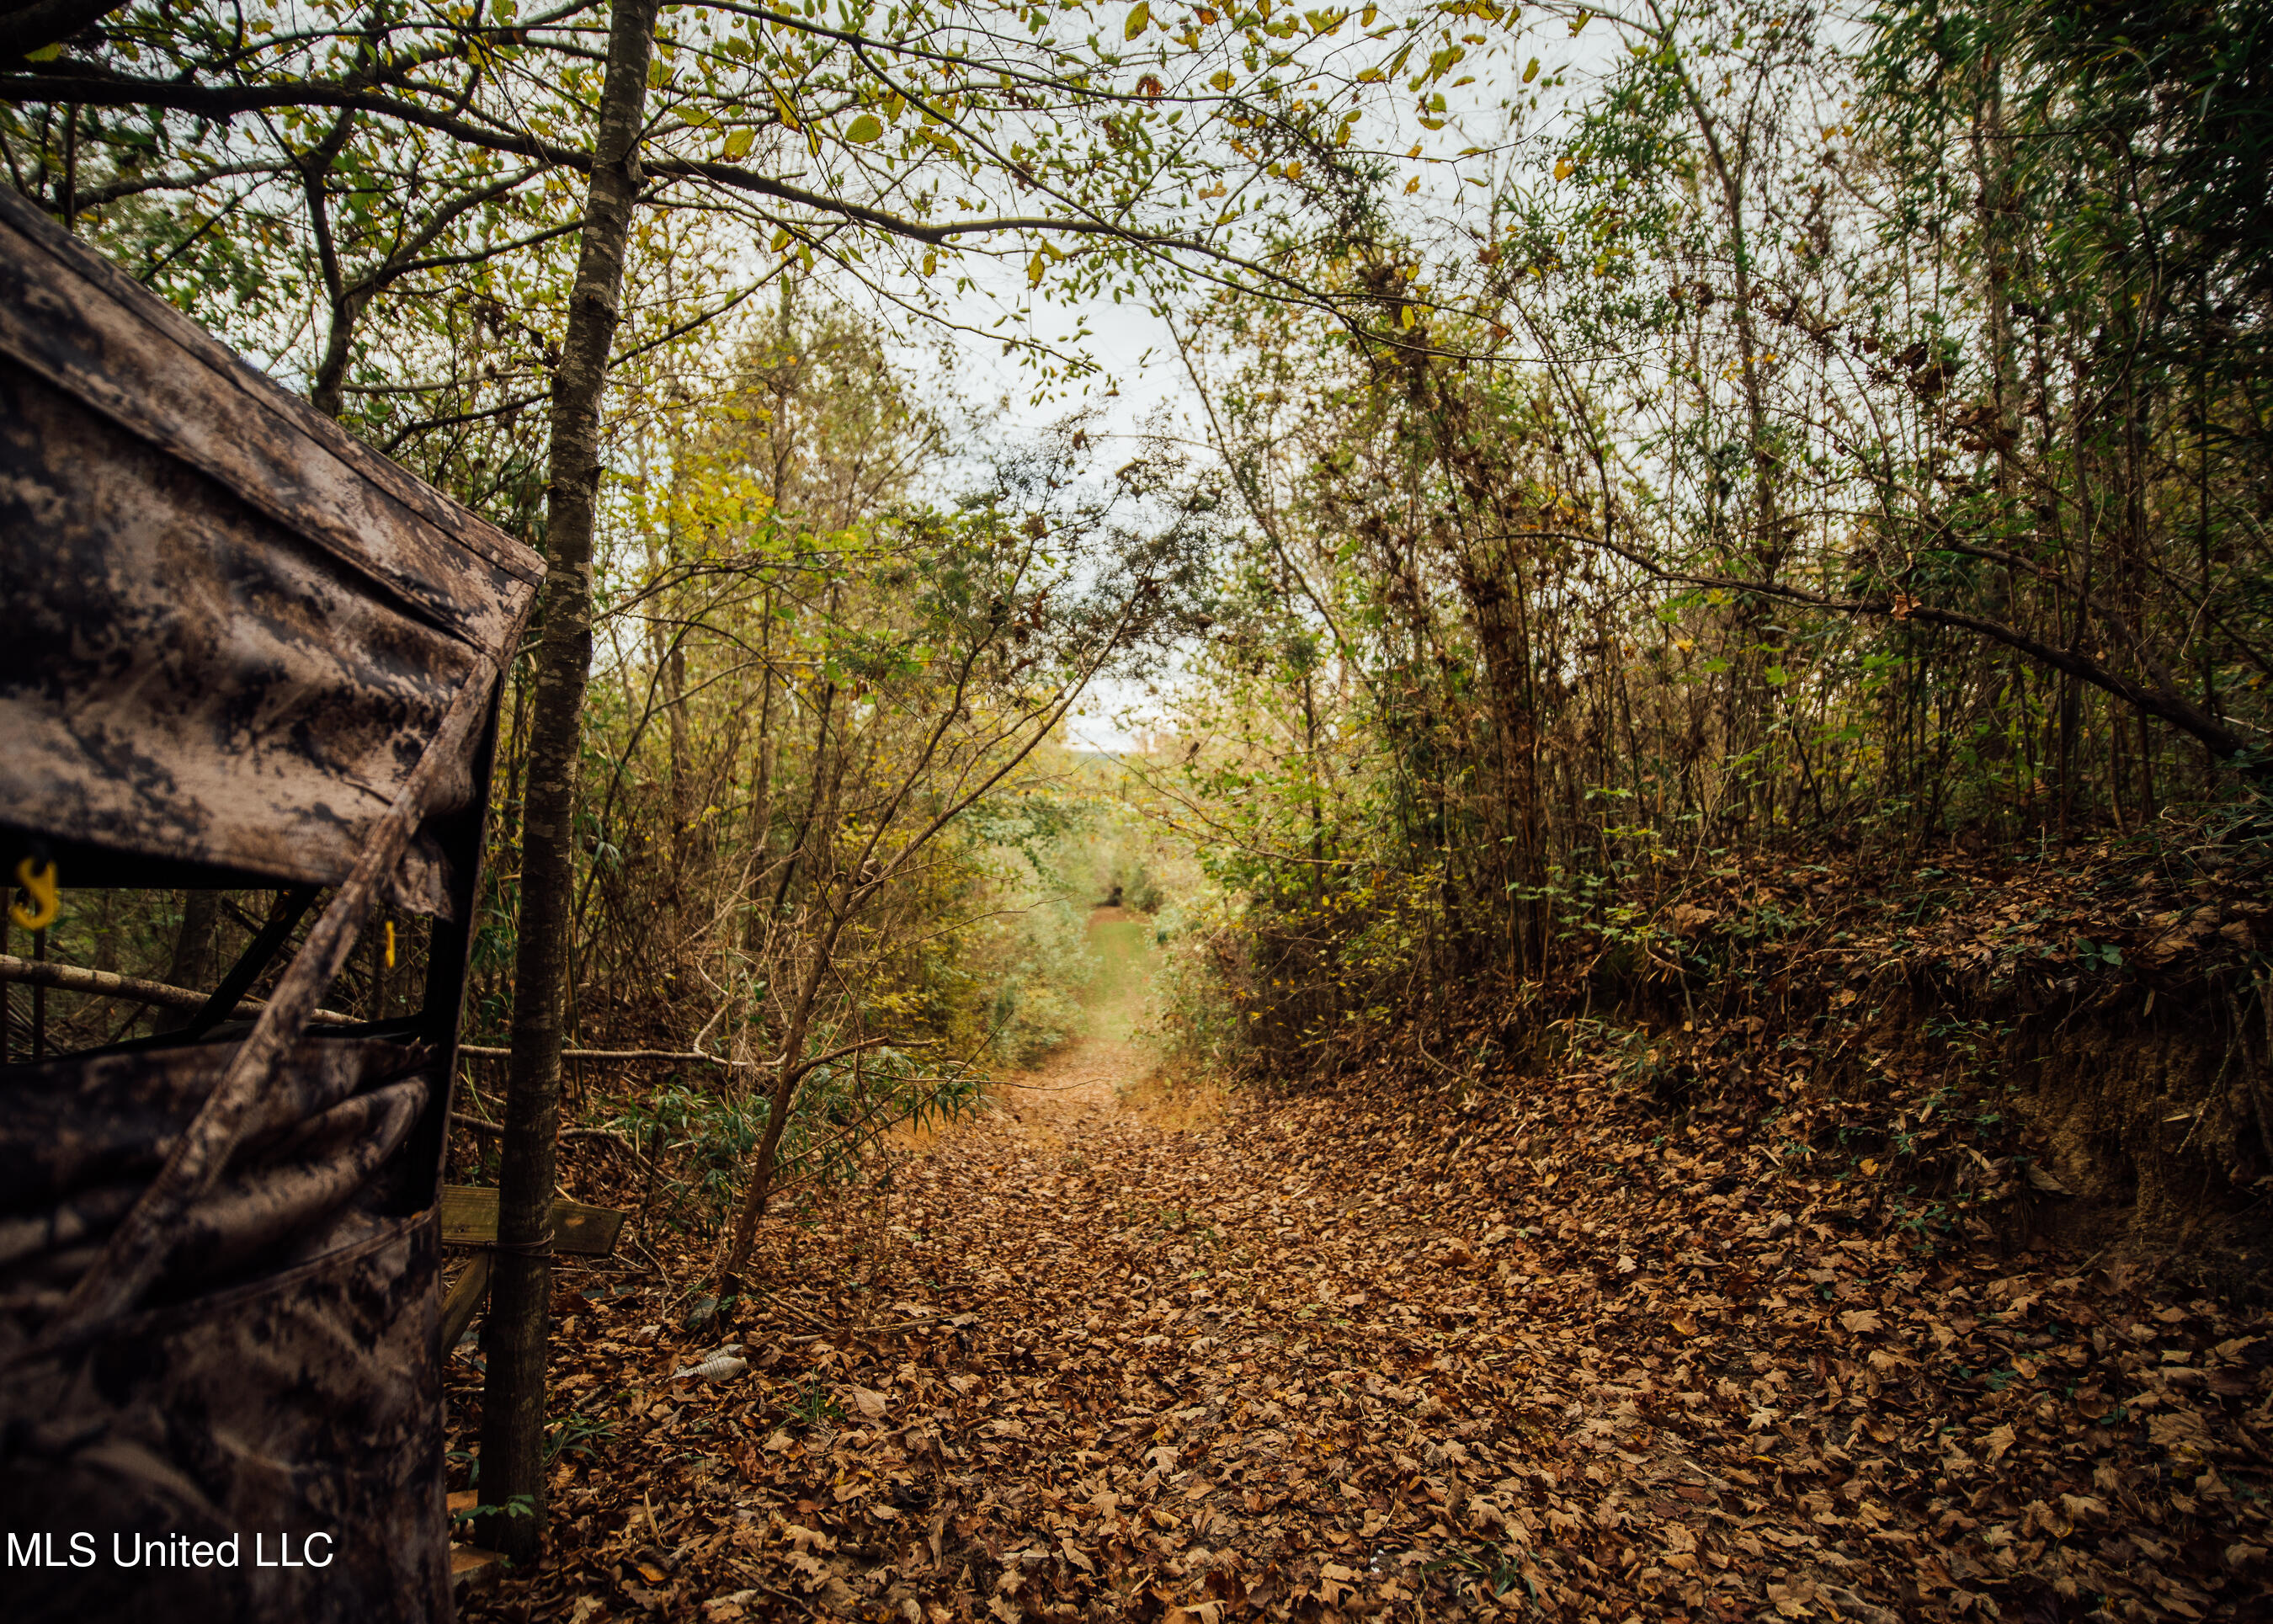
47, 901
390, 945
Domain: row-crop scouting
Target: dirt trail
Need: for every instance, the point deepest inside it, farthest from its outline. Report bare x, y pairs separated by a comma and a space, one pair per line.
1102, 1071
1401, 1351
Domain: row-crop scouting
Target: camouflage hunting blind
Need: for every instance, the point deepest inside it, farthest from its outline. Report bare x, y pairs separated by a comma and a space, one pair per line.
240, 649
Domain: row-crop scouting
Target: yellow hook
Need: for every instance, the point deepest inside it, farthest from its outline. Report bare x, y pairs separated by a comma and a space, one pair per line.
47, 901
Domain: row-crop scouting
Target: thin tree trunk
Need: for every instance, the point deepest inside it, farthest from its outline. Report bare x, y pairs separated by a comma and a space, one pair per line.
815, 795
761, 819
787, 1075
68, 206
195, 954
513, 1396
327, 395
685, 839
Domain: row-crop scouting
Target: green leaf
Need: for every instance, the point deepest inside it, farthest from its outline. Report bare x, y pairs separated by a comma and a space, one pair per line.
864, 128
1139, 19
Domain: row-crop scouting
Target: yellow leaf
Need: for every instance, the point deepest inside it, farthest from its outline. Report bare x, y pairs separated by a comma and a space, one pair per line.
1221, 81
1562, 168
1413, 185
1140, 16
1034, 271
1365, 18
1415, 151
1869, 1167
1531, 72
930, 263
864, 128
738, 145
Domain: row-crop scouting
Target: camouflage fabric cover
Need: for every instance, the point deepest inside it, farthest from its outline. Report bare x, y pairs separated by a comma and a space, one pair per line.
243, 649
232, 629
284, 1385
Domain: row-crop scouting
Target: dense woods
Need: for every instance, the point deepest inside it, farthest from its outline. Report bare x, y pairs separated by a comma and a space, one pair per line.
1878, 490
1700, 587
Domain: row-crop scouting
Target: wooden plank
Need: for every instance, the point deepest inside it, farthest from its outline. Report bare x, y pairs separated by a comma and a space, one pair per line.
199, 349
473, 1569
465, 1300
470, 1218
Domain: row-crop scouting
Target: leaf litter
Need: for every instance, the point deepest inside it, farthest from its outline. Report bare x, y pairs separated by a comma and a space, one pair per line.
1398, 1351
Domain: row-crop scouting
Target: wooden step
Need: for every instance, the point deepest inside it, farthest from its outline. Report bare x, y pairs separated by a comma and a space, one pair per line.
470, 1218
472, 1568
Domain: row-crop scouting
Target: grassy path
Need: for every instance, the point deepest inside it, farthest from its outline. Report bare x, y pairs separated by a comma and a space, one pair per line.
1101, 1070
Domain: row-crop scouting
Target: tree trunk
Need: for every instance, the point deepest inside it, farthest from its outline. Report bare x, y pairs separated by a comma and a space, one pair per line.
195, 954
326, 395
789, 1072
761, 819
513, 1396
686, 836
789, 1059
813, 800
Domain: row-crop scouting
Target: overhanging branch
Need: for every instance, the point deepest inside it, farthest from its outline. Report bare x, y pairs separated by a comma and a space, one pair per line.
2161, 703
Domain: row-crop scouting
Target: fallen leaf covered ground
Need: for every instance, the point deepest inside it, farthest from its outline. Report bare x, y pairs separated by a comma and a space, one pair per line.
1507, 1348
